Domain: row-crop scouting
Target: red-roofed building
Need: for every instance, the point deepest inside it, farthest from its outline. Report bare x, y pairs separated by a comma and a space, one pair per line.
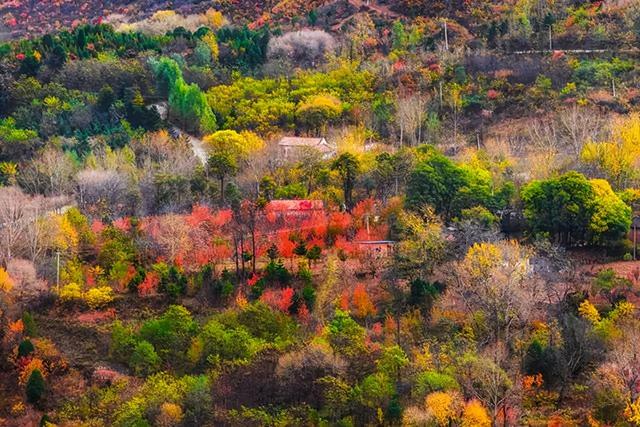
294, 209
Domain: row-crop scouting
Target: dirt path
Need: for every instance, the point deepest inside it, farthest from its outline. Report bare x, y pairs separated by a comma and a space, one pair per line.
196, 145
374, 6
371, 6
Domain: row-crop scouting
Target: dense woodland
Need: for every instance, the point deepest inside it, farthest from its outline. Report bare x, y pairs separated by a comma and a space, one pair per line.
464, 258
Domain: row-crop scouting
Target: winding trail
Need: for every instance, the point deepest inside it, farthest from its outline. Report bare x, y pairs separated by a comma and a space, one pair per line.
197, 146
368, 5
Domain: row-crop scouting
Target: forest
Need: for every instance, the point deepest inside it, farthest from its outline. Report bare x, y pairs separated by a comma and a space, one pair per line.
320, 213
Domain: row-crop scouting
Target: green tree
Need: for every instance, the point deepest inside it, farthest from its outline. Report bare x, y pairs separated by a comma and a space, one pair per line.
30, 326
35, 386
611, 219
222, 165
574, 209
317, 111
392, 361
561, 206
313, 254
348, 167
223, 343
170, 334
435, 182
345, 335
144, 359
25, 348
186, 101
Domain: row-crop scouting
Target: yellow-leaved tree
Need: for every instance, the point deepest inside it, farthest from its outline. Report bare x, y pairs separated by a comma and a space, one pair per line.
317, 111
475, 415
619, 157
497, 280
228, 151
215, 19
443, 407
6, 282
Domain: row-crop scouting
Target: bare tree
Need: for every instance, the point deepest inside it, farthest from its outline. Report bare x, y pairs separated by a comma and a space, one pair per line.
51, 173
303, 48
567, 131
624, 358
410, 118
484, 378
20, 226
16, 213
101, 192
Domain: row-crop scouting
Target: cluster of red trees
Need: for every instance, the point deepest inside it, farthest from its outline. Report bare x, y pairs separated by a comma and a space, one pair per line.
214, 237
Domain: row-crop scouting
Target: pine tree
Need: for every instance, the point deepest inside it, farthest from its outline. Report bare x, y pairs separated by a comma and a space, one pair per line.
35, 386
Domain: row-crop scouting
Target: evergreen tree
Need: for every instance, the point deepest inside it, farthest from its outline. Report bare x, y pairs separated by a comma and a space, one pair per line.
35, 386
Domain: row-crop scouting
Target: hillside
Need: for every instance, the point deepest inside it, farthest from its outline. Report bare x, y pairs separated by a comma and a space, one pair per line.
320, 213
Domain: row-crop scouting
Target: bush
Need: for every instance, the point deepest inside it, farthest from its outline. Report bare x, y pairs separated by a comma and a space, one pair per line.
173, 283
122, 343
432, 381
30, 327
144, 359
223, 343
25, 348
35, 386
269, 325
99, 297
171, 333
70, 293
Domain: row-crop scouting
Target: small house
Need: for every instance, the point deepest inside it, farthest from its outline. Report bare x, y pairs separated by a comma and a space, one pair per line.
292, 210
293, 146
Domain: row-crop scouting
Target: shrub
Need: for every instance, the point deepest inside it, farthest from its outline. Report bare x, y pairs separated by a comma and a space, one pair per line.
30, 327
25, 348
223, 343
269, 325
144, 359
99, 297
70, 293
432, 381
122, 341
170, 414
171, 333
35, 386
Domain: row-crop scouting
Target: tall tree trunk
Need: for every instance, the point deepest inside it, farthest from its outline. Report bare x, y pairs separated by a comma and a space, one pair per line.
253, 249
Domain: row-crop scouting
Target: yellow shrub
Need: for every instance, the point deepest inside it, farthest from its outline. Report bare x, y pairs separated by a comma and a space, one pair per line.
163, 15
70, 292
6, 283
589, 312
475, 415
99, 296
624, 309
214, 18
170, 415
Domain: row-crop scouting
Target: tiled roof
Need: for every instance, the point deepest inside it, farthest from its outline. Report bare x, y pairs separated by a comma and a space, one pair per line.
294, 205
294, 141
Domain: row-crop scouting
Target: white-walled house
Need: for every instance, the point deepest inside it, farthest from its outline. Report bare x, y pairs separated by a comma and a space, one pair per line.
293, 146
